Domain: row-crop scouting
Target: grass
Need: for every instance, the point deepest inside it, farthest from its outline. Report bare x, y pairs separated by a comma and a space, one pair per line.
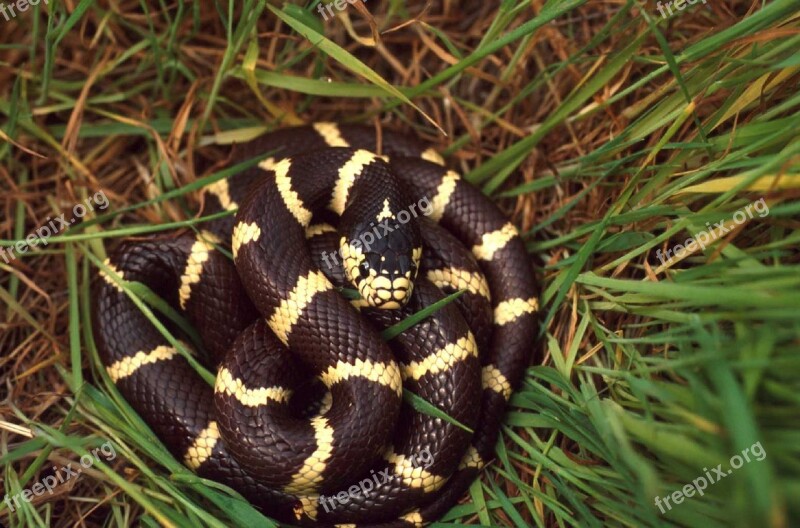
607, 132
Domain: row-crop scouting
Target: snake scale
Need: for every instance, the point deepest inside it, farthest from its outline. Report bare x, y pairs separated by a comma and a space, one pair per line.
307, 418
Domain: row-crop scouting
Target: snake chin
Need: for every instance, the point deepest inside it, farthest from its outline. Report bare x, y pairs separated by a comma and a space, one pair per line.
383, 274
383, 292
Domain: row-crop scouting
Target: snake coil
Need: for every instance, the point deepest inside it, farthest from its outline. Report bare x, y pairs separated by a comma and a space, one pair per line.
306, 418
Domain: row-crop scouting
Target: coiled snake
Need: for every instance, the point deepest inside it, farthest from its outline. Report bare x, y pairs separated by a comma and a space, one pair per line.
308, 406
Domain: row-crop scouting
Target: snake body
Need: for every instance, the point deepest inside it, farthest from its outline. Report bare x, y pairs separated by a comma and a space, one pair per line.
306, 418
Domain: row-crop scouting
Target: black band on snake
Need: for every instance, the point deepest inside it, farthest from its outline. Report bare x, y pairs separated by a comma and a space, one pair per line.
307, 418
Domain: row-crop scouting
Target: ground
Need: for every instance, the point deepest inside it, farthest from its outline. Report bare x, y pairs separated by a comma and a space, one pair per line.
648, 151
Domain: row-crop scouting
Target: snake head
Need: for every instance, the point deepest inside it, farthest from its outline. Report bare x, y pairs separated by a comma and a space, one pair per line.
381, 259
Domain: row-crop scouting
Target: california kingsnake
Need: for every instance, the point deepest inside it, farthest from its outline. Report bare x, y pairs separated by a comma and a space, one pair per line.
308, 398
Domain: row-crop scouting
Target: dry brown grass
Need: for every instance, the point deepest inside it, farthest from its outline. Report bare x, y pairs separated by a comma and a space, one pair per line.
161, 93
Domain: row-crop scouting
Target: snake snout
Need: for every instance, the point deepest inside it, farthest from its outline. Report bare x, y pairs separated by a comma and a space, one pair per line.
387, 291
386, 280
384, 275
